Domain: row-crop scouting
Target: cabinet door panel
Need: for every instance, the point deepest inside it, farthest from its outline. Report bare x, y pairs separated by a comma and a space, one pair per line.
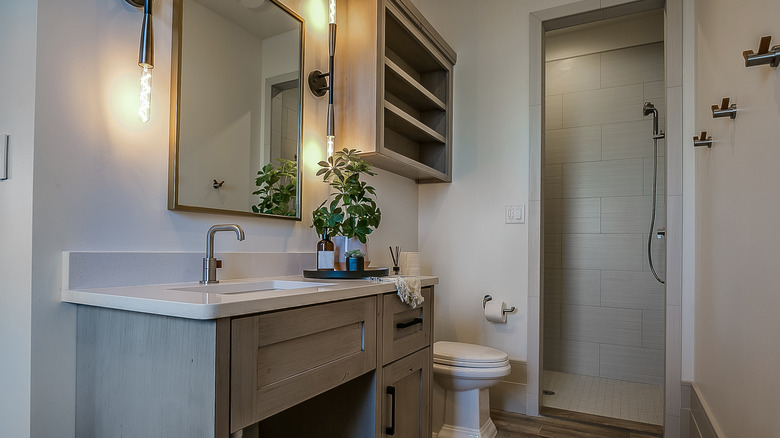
410, 380
283, 358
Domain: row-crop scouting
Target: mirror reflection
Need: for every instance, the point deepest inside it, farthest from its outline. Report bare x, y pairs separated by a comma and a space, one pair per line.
237, 122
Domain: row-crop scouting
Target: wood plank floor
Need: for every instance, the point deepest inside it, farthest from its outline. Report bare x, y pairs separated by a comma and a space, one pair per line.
511, 425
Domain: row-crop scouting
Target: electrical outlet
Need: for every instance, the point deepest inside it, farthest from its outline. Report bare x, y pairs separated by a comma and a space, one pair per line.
515, 214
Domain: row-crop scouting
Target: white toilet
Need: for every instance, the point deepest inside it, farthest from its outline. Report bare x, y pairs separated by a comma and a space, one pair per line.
466, 371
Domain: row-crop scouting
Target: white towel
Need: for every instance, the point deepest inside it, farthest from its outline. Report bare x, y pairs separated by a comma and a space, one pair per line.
409, 290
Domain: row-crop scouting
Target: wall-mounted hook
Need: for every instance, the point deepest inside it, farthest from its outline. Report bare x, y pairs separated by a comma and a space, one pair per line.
764, 55
217, 185
702, 140
725, 110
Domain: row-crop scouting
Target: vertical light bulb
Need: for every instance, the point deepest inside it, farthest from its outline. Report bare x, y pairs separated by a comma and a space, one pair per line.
331, 139
145, 102
332, 12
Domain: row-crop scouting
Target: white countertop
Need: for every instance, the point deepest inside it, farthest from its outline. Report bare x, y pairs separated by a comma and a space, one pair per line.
169, 298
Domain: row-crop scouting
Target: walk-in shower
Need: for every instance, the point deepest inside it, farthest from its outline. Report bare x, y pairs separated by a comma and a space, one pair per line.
603, 174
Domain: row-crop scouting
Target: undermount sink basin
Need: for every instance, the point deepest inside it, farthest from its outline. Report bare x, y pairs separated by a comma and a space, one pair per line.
256, 286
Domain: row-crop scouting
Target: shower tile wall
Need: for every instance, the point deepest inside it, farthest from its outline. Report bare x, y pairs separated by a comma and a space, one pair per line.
603, 310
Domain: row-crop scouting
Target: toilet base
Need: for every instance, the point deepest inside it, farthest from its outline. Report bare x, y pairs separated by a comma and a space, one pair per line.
488, 430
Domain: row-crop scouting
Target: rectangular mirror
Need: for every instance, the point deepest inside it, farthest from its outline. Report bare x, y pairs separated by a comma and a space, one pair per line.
236, 108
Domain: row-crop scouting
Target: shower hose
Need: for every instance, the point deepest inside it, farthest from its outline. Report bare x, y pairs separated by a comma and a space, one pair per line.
652, 217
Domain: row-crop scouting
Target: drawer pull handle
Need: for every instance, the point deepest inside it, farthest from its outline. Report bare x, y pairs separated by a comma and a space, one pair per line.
409, 323
391, 429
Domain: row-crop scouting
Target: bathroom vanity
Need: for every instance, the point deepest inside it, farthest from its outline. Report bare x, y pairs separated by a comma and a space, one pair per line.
336, 359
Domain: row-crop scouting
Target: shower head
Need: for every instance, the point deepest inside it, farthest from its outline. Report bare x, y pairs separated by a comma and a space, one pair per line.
648, 108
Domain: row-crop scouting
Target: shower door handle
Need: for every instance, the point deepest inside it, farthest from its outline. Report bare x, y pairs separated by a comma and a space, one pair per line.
660, 232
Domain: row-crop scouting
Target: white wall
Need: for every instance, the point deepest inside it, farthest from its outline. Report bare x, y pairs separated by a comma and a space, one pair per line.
737, 237
17, 98
101, 177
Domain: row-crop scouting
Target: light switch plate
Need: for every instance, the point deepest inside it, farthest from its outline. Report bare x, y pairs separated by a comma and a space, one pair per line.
515, 214
4, 157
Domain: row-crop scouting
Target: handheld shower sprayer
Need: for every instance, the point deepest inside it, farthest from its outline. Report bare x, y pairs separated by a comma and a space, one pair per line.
647, 109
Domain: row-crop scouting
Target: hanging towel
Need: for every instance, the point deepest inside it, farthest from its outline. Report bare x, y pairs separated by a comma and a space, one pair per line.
409, 290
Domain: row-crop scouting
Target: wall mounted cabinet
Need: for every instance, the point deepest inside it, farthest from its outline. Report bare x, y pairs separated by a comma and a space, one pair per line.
405, 126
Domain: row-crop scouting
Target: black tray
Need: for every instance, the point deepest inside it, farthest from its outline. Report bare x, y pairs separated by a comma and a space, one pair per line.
373, 272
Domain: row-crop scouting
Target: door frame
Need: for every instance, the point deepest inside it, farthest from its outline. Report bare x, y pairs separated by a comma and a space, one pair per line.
679, 188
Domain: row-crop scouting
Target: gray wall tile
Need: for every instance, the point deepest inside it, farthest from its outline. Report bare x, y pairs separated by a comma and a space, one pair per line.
626, 214
661, 181
620, 252
653, 329
627, 140
631, 290
632, 65
578, 215
603, 178
553, 112
572, 286
552, 251
552, 320
571, 357
552, 181
572, 145
601, 325
636, 364
605, 105
569, 75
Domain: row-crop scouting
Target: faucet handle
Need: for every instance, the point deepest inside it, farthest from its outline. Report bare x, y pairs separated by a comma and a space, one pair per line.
219, 263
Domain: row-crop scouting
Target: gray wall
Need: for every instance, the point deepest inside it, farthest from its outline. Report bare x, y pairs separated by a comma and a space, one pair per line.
603, 309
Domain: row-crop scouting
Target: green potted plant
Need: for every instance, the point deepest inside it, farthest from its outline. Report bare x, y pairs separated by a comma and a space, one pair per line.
278, 188
350, 212
355, 260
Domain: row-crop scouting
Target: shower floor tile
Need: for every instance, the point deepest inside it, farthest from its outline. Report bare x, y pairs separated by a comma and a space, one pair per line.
620, 399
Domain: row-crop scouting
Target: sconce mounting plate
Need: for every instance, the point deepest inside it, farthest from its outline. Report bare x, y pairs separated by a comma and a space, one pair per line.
317, 83
135, 3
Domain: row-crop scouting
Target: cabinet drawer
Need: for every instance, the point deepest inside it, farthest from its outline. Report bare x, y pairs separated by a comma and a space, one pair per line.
283, 358
405, 330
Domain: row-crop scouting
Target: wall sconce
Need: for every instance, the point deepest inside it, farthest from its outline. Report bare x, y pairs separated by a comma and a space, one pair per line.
319, 85
145, 58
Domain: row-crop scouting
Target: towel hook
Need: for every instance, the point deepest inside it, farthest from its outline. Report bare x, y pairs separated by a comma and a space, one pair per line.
725, 110
764, 55
487, 298
702, 140
218, 185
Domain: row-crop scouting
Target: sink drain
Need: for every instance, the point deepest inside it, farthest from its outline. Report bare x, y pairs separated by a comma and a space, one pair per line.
548, 392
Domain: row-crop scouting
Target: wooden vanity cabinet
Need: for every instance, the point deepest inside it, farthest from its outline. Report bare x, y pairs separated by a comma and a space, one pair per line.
324, 369
404, 127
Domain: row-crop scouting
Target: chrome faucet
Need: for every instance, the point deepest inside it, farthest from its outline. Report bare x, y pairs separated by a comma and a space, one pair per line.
211, 264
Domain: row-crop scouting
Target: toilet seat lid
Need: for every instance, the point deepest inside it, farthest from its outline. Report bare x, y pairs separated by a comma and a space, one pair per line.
468, 355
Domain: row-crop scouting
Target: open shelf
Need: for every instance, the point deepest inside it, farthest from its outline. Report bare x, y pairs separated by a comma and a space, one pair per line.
401, 122
402, 85
406, 126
